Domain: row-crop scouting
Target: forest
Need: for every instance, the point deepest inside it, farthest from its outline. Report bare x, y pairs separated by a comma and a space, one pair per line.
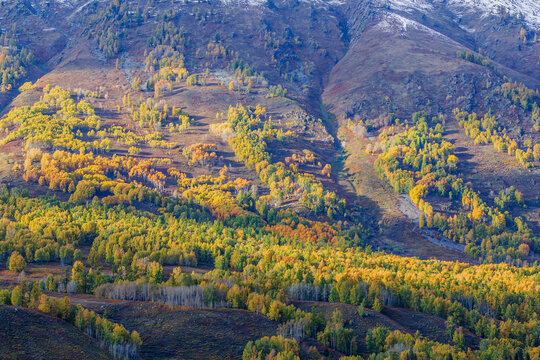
262, 257
420, 163
180, 172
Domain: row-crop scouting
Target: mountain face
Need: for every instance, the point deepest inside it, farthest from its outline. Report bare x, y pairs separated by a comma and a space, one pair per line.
406, 51
358, 59
356, 177
365, 61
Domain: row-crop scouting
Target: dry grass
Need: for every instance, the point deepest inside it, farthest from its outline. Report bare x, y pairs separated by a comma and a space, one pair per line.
490, 171
27, 334
191, 334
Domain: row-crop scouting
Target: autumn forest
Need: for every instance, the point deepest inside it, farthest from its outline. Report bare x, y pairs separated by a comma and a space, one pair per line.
200, 180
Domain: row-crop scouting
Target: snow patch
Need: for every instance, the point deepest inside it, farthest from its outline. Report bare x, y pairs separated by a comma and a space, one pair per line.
408, 5
325, 2
61, 3
467, 29
393, 23
264, 2
243, 2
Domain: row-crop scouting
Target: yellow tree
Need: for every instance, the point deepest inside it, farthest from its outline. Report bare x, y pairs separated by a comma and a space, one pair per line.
16, 262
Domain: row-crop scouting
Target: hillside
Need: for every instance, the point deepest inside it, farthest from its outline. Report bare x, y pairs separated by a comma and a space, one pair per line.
30, 335
220, 334
271, 179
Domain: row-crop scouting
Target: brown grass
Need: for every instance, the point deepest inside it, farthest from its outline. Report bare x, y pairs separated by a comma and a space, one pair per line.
490, 171
191, 334
28, 334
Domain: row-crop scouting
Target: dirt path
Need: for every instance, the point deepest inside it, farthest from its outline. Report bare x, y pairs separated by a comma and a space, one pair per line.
396, 216
76, 11
437, 239
407, 207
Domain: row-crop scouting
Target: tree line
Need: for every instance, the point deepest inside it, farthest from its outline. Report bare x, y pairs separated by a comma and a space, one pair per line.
120, 342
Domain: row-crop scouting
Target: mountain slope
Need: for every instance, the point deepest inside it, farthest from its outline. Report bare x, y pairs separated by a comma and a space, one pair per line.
27, 334
408, 52
335, 61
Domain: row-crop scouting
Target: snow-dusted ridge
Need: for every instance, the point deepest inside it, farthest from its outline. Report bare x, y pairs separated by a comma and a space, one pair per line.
395, 23
530, 9
73, 3
61, 3
264, 2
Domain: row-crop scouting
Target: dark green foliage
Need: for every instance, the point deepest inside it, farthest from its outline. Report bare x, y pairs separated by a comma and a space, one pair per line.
14, 63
